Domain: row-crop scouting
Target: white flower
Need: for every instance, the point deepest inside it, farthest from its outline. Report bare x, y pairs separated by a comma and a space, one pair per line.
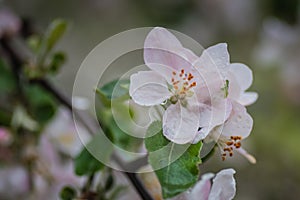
52, 172
63, 133
202, 90
172, 78
223, 186
14, 182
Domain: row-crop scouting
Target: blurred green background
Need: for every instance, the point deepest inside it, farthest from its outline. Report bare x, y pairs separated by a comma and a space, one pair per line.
265, 35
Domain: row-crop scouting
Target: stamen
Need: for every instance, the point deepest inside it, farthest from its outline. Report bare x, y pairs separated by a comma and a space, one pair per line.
190, 77
193, 84
230, 145
181, 83
176, 82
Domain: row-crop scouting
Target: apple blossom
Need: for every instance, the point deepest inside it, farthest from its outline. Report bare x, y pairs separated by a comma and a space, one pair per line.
206, 93
235, 79
223, 186
172, 78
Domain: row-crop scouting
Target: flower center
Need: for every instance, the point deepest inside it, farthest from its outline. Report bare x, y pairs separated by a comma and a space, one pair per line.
229, 145
182, 82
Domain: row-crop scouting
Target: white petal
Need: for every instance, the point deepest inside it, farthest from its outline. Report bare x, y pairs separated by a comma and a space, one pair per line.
202, 188
162, 47
210, 75
239, 123
248, 98
235, 90
213, 115
224, 186
249, 157
202, 133
218, 54
156, 113
148, 88
180, 124
243, 75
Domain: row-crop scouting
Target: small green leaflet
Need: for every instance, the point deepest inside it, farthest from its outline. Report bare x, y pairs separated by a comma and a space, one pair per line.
226, 88
114, 90
54, 32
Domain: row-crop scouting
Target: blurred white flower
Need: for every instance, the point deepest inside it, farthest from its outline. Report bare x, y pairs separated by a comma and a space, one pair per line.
14, 182
279, 47
52, 172
64, 134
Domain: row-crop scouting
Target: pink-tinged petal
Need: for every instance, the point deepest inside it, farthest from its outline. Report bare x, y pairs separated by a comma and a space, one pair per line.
210, 78
181, 123
249, 157
243, 75
5, 136
190, 55
202, 188
224, 186
248, 98
162, 47
148, 88
209, 89
239, 122
164, 71
218, 54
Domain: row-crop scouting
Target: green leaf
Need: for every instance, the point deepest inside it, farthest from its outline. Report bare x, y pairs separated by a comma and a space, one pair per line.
67, 193
117, 89
87, 164
56, 29
7, 79
176, 166
57, 60
116, 126
42, 104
